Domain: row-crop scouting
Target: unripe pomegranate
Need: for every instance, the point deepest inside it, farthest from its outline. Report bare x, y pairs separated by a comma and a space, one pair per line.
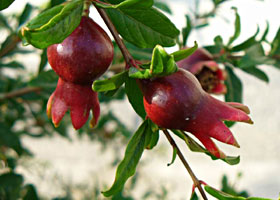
178, 101
206, 70
81, 58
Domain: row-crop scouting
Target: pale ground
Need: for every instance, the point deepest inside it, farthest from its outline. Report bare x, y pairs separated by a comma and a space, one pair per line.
80, 161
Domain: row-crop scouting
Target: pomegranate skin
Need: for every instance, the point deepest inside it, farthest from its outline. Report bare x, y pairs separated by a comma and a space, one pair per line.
178, 101
79, 99
207, 71
84, 55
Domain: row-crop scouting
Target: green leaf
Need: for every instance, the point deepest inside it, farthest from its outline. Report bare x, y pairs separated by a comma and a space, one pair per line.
4, 23
43, 61
163, 6
10, 139
135, 96
25, 14
144, 27
221, 195
237, 28
275, 45
195, 147
187, 30
154, 135
174, 154
224, 196
128, 165
111, 83
56, 2
59, 22
246, 44
162, 64
257, 73
10, 184
265, 32
127, 4
184, 53
234, 87
5, 4
30, 192
194, 196
12, 65
255, 56
218, 40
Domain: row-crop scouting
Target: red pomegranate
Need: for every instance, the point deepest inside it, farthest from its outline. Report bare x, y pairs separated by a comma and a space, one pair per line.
80, 59
178, 101
206, 70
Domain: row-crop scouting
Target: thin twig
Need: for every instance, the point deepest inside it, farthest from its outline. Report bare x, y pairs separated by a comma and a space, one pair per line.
196, 182
127, 56
19, 92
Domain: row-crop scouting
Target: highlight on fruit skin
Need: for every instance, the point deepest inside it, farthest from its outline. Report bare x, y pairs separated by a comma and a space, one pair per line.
84, 55
206, 70
178, 101
79, 99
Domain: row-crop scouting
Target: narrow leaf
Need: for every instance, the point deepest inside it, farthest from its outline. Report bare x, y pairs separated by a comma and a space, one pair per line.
111, 83
257, 73
246, 44
174, 154
43, 61
128, 165
187, 30
275, 45
195, 147
237, 27
234, 87
153, 136
135, 96
184, 53
12, 65
265, 32
255, 55
224, 196
25, 14
59, 22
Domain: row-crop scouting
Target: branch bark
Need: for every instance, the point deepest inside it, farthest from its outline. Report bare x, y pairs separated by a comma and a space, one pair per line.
196, 182
127, 56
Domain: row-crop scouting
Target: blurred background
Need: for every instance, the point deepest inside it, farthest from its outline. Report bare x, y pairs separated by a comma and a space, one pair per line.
79, 165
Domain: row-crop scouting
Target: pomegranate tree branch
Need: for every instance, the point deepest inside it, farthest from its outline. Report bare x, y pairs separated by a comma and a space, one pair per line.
19, 92
196, 182
127, 56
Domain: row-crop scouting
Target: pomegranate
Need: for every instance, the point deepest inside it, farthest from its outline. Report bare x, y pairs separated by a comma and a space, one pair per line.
178, 101
80, 59
84, 55
206, 70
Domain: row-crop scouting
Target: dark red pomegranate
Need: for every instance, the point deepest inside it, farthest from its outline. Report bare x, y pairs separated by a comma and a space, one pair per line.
80, 59
206, 70
83, 56
178, 101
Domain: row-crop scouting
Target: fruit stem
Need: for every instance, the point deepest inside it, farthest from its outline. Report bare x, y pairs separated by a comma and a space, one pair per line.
86, 8
196, 182
130, 62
